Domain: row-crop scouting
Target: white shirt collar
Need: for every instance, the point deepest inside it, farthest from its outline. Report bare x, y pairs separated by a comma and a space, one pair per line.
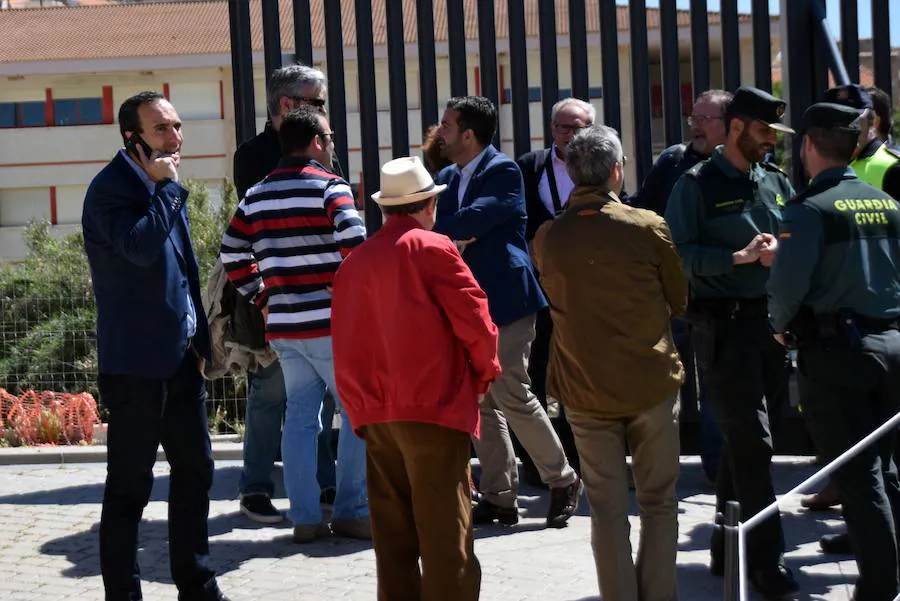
472, 165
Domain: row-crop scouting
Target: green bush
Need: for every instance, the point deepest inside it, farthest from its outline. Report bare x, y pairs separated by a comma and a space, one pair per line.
47, 310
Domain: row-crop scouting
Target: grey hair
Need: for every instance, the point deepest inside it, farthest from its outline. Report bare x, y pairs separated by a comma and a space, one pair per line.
289, 81
716, 95
592, 154
587, 107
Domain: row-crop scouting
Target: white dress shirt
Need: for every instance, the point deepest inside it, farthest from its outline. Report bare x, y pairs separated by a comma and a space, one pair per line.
465, 174
564, 183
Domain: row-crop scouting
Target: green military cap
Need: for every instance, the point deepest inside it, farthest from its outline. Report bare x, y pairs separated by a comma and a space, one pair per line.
829, 115
758, 104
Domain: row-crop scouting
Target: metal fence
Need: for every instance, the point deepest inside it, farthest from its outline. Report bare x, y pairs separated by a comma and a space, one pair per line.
803, 57
48, 343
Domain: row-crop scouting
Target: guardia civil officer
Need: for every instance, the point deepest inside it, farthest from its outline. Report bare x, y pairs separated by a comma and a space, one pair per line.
724, 214
835, 285
875, 162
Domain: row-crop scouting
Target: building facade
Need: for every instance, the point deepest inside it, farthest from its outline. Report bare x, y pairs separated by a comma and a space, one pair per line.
63, 83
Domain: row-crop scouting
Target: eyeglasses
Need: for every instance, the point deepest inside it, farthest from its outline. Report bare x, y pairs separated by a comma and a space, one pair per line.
701, 119
564, 129
325, 136
316, 102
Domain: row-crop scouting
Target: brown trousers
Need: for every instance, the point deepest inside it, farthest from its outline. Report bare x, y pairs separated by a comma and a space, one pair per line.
603, 445
420, 506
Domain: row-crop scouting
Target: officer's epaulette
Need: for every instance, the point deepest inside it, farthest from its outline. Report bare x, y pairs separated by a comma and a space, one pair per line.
770, 166
694, 171
812, 190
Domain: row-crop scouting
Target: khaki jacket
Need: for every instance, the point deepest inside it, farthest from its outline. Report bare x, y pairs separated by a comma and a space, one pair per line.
614, 280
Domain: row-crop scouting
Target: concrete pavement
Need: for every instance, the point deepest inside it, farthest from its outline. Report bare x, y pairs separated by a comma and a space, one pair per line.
48, 545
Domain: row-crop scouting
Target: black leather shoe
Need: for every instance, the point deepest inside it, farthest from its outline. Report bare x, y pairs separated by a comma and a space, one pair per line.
210, 592
563, 503
836, 544
774, 582
717, 547
486, 513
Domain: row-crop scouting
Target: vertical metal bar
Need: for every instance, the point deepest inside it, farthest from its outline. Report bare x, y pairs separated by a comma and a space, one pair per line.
671, 66
850, 37
271, 25
732, 567
798, 73
609, 52
518, 67
242, 70
762, 45
578, 49
487, 56
881, 44
731, 46
337, 95
428, 95
826, 42
699, 48
303, 50
640, 88
456, 40
549, 66
397, 79
368, 112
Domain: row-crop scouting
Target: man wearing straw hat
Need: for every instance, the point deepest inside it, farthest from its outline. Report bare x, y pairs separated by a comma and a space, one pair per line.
414, 352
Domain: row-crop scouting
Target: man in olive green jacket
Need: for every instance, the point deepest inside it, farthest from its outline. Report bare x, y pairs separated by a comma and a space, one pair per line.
614, 280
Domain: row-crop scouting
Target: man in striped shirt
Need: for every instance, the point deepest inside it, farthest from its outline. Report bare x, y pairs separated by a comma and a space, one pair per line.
284, 244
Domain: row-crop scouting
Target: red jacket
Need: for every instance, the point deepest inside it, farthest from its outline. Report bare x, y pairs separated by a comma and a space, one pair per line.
412, 336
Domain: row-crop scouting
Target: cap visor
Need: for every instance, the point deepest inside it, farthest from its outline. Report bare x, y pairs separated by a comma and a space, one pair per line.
782, 128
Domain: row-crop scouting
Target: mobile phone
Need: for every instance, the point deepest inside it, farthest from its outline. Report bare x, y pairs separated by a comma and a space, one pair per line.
132, 143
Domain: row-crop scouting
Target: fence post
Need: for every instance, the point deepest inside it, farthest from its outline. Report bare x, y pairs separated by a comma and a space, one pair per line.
732, 554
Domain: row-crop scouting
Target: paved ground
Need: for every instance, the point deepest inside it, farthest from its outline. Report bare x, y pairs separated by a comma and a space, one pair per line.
48, 549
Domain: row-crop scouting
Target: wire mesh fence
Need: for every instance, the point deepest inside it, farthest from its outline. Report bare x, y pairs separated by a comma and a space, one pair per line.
48, 343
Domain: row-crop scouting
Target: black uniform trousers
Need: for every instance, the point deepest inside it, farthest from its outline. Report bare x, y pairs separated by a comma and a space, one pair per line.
743, 364
144, 412
846, 394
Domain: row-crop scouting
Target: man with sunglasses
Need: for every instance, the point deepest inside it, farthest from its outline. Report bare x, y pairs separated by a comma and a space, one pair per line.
289, 88
285, 242
724, 214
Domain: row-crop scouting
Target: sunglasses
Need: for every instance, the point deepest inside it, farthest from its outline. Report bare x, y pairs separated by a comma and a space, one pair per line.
325, 136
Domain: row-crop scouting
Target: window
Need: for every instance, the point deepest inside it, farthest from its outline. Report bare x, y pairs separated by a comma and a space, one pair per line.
22, 114
78, 111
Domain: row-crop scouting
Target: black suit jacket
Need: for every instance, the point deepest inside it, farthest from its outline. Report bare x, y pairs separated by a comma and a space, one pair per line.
532, 166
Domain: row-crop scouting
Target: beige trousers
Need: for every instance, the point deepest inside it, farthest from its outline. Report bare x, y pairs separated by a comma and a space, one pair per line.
603, 445
510, 403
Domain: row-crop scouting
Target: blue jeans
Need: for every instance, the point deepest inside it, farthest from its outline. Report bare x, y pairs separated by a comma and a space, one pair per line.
262, 433
308, 368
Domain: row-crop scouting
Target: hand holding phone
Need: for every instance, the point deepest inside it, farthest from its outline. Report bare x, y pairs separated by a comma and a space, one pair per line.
157, 165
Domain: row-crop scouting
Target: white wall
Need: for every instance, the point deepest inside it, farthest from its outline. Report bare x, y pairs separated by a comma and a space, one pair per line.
18, 206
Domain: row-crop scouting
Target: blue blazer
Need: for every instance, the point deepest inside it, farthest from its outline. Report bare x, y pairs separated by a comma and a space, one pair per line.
143, 267
493, 212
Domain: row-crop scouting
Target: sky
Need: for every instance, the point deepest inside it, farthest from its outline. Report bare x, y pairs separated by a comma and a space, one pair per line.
833, 9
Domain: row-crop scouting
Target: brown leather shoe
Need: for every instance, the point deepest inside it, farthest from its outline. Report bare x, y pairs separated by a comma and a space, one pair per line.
823, 500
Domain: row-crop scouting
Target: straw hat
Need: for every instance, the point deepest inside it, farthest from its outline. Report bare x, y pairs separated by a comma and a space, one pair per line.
405, 181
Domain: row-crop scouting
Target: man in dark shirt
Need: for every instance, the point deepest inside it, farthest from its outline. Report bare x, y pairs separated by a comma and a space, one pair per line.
288, 88
707, 132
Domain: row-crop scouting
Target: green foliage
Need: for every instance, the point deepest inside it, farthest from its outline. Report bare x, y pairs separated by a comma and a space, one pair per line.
895, 129
47, 309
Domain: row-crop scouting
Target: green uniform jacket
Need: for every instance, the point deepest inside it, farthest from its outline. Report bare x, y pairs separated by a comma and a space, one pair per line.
839, 249
716, 210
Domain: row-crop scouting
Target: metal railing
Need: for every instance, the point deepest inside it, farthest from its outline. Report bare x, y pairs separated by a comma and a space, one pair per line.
736, 530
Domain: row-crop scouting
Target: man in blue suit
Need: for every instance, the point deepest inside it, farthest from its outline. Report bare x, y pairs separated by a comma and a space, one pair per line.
483, 210
151, 338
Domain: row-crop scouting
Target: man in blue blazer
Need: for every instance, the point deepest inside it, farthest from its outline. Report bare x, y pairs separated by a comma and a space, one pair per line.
483, 210
151, 338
